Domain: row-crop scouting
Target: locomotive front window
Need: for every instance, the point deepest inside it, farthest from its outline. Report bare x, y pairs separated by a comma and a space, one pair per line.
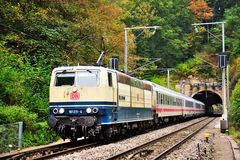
87, 78
64, 79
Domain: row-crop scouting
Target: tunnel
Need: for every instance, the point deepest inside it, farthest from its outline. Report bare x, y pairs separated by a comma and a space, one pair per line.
211, 100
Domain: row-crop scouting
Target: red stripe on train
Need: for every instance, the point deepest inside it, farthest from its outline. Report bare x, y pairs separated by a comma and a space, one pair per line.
178, 110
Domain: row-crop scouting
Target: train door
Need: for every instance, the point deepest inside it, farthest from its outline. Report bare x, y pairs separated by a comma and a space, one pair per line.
112, 84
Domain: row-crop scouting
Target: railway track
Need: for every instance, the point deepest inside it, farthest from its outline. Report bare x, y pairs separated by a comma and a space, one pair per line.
50, 151
162, 146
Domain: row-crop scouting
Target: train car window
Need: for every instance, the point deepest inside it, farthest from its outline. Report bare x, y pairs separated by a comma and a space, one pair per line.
147, 86
157, 97
161, 98
87, 78
198, 105
189, 104
136, 83
64, 79
174, 101
123, 79
109, 79
164, 99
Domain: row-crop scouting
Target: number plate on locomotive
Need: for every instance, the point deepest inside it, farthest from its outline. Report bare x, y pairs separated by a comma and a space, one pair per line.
74, 111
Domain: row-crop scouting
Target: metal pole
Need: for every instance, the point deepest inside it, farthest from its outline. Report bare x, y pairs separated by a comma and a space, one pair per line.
181, 83
200, 24
168, 76
228, 94
20, 130
225, 116
223, 39
144, 27
125, 51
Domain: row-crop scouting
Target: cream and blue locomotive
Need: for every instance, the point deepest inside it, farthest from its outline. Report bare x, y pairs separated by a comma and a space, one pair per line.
94, 101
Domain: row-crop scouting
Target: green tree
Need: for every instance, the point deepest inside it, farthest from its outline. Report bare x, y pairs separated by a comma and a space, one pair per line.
171, 41
235, 105
233, 31
37, 36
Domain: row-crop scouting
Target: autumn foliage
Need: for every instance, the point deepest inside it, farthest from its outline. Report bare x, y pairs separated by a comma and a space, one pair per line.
200, 9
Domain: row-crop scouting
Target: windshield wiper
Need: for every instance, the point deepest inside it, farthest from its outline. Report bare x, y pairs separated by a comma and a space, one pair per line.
89, 71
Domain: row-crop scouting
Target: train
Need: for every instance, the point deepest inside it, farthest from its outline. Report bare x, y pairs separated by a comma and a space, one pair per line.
216, 110
99, 102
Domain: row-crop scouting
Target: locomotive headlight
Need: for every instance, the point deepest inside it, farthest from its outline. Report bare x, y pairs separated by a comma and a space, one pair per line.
75, 89
61, 110
88, 110
95, 110
55, 110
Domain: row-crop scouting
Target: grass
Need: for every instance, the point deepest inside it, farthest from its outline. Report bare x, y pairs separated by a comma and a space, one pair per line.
235, 134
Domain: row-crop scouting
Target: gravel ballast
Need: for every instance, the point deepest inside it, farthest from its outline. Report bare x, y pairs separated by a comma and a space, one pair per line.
106, 151
198, 147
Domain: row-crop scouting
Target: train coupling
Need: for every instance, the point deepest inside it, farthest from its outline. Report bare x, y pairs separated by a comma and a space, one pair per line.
98, 129
74, 125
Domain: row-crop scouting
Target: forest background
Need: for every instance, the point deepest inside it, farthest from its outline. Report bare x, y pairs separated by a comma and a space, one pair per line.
39, 35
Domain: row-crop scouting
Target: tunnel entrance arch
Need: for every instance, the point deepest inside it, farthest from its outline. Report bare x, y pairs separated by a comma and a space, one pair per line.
212, 100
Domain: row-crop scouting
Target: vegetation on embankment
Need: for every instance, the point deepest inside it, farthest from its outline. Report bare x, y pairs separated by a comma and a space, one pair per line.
36, 36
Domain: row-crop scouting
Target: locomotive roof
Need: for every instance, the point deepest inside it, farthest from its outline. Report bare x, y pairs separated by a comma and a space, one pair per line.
80, 67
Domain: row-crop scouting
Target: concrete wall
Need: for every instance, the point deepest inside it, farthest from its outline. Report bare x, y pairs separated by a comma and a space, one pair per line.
192, 86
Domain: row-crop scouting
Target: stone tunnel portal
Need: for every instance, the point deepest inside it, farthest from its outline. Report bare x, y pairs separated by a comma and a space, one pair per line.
212, 101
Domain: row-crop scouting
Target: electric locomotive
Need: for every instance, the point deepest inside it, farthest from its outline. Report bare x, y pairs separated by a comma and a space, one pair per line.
94, 101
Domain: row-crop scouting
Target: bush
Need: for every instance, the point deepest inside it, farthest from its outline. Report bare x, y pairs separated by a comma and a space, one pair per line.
162, 80
194, 67
235, 133
12, 114
159, 80
35, 133
36, 92
8, 137
41, 135
11, 78
235, 106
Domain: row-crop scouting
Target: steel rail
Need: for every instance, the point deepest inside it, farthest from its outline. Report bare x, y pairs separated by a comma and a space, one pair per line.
44, 150
175, 146
67, 151
18, 153
137, 149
